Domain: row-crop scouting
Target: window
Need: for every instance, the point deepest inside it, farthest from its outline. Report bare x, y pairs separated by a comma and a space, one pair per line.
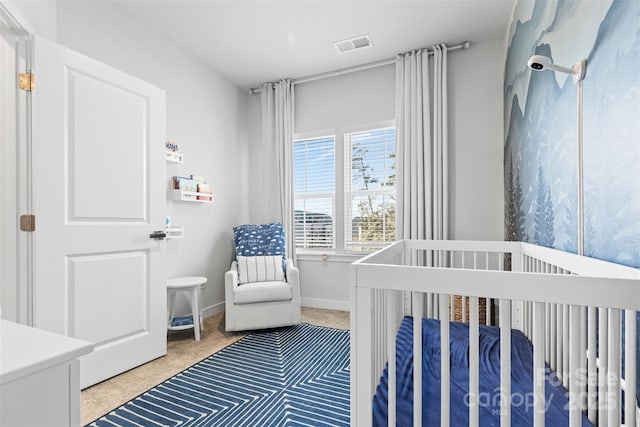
314, 192
348, 209
370, 175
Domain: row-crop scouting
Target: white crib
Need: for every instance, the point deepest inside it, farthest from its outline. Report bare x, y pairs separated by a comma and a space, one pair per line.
555, 298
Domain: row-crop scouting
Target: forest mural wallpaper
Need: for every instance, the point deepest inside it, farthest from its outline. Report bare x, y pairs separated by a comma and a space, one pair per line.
540, 152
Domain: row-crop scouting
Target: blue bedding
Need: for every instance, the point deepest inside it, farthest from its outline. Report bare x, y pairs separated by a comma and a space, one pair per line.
557, 413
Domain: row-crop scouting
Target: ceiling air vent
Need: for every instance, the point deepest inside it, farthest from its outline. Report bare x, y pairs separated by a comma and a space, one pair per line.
358, 42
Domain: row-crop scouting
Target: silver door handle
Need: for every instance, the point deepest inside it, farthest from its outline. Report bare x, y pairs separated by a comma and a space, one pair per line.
158, 235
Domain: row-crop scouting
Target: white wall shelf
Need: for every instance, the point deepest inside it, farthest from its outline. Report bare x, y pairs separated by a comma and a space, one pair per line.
191, 196
174, 156
174, 232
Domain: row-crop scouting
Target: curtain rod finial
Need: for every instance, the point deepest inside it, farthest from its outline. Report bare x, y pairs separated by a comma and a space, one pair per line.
465, 45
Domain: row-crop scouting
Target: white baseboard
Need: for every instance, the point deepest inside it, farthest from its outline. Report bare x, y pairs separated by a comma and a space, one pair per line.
212, 309
327, 304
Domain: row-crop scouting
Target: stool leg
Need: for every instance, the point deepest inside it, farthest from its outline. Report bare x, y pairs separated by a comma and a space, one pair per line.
200, 309
171, 306
195, 312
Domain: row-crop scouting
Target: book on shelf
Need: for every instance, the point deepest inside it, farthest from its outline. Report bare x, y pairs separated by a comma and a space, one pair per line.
204, 188
185, 184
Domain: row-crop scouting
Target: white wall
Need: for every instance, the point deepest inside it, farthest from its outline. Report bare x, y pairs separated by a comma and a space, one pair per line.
354, 99
368, 97
206, 116
37, 16
476, 142
8, 175
339, 105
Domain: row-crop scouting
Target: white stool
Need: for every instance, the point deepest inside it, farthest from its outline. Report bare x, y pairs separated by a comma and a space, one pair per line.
190, 285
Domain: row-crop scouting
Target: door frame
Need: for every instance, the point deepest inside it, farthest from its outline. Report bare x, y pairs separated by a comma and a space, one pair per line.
13, 22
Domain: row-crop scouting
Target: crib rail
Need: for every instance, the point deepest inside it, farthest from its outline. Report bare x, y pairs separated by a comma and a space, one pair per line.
570, 307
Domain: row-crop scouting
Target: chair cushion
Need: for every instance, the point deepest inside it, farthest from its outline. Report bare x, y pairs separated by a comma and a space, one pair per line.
264, 239
260, 269
262, 292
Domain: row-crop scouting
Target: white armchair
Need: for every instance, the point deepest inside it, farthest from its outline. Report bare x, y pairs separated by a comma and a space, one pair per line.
262, 305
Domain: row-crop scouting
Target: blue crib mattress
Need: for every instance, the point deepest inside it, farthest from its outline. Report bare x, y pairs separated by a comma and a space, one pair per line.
557, 413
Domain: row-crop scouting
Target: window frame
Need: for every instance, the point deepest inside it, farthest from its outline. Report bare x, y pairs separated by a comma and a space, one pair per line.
327, 133
338, 252
348, 191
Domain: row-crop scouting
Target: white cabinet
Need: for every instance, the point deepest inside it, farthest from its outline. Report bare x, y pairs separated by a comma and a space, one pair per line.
39, 377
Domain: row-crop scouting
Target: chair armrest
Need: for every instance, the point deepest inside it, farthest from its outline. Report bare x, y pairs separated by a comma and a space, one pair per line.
231, 282
293, 278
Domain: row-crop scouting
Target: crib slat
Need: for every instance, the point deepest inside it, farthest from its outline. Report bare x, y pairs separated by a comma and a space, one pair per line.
505, 363
554, 340
525, 318
592, 369
630, 346
613, 380
391, 356
529, 319
574, 368
559, 348
474, 364
603, 356
583, 358
377, 336
364, 377
417, 356
444, 368
547, 334
538, 363
565, 346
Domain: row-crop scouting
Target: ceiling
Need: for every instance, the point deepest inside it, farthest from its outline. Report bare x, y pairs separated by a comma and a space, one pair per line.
250, 42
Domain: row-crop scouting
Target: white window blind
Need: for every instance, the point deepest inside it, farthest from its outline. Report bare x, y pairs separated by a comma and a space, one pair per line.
370, 175
314, 192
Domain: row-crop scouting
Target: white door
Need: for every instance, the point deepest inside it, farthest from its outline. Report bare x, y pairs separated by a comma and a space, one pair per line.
98, 192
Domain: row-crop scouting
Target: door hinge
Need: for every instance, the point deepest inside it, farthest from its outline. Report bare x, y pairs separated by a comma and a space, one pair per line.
28, 223
27, 81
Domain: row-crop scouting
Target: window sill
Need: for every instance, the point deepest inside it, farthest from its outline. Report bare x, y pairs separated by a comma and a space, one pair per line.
327, 256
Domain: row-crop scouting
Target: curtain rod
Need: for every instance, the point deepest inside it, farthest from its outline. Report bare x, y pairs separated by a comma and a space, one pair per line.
336, 73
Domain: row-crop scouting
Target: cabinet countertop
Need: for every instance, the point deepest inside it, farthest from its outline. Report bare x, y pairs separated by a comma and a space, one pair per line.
25, 350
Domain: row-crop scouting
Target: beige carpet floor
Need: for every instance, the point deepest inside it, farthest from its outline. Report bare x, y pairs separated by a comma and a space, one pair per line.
182, 352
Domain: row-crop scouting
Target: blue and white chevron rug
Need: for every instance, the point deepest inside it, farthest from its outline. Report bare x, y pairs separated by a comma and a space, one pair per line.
283, 377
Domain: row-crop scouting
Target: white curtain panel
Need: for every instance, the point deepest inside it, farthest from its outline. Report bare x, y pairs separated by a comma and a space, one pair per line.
422, 153
277, 142
440, 144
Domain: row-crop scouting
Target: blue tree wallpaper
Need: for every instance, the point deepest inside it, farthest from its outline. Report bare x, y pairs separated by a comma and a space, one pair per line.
540, 152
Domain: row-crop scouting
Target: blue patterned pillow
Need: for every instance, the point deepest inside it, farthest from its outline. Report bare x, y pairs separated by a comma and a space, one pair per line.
260, 240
